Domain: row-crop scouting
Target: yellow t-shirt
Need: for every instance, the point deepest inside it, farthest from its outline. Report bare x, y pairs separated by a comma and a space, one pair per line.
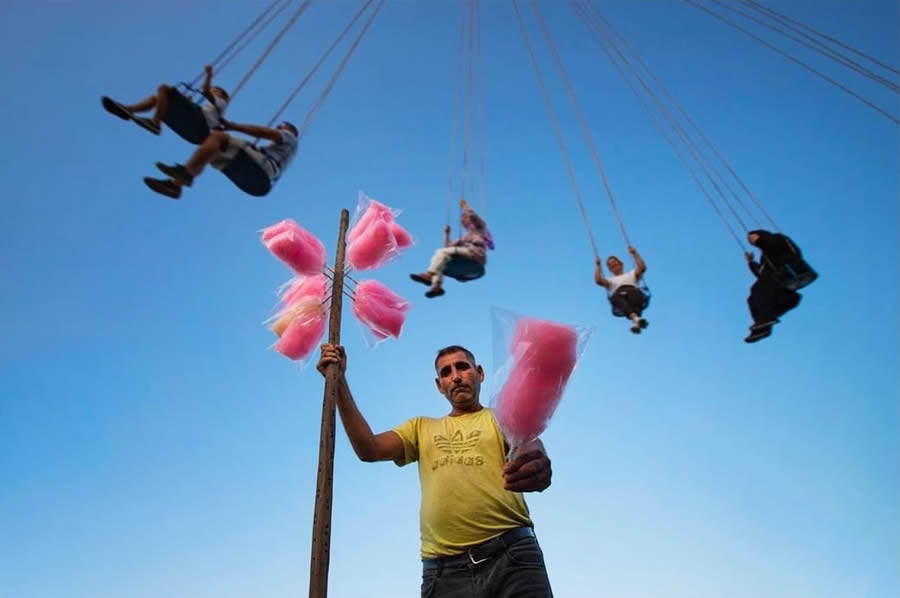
460, 469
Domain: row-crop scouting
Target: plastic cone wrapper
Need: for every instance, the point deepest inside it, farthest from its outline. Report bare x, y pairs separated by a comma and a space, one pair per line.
533, 361
375, 238
295, 246
380, 310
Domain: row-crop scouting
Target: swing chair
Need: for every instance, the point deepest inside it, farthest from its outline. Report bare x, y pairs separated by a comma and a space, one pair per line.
463, 269
645, 290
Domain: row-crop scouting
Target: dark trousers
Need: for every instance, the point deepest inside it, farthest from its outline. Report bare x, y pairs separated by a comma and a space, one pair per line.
628, 300
517, 571
768, 300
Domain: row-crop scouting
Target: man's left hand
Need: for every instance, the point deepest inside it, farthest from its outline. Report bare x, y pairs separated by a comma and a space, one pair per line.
529, 470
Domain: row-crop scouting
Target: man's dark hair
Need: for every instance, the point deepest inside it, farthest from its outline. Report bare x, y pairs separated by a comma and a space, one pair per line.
454, 349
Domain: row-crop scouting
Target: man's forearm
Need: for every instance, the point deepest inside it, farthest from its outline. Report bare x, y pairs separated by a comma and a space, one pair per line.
358, 431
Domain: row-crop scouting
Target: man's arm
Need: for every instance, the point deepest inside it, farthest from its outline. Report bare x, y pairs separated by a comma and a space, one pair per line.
254, 130
598, 274
529, 470
368, 446
207, 84
754, 267
641, 266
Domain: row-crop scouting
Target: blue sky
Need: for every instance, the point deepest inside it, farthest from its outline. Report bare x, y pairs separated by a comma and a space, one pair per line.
151, 444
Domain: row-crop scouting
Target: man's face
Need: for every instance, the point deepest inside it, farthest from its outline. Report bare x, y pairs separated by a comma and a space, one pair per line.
459, 379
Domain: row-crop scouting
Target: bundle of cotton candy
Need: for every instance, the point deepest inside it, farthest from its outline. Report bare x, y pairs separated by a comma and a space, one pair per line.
375, 211
544, 355
304, 330
295, 246
379, 308
403, 238
304, 290
375, 238
373, 247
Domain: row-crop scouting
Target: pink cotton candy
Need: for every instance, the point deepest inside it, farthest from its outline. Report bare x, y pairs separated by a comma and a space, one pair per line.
303, 334
544, 356
277, 228
403, 238
374, 247
375, 212
312, 288
296, 247
380, 309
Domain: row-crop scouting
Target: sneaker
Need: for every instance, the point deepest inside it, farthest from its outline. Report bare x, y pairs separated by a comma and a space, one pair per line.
759, 334
147, 124
642, 323
177, 172
163, 187
115, 108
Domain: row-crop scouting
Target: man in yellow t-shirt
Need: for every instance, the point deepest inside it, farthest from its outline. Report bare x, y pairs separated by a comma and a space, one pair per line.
476, 532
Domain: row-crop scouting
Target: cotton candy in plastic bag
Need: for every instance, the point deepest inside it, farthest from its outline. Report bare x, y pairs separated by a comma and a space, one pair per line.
299, 322
533, 361
373, 248
305, 327
380, 310
375, 238
295, 246
368, 211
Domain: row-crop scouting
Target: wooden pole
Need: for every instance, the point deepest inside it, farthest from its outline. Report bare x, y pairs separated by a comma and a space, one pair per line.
321, 536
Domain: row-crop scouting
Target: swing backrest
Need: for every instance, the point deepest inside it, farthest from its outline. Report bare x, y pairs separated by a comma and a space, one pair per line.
463, 269
248, 175
795, 274
184, 119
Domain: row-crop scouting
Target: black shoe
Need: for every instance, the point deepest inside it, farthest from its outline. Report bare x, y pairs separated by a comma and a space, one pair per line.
163, 187
642, 323
147, 124
758, 334
115, 108
177, 172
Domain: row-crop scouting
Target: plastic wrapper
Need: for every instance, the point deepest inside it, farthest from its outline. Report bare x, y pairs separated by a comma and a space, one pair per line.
306, 287
368, 211
380, 310
295, 246
401, 235
302, 327
373, 248
533, 361
375, 238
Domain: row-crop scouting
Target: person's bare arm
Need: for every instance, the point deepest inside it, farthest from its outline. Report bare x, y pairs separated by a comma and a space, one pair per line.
254, 130
207, 83
368, 446
598, 274
641, 266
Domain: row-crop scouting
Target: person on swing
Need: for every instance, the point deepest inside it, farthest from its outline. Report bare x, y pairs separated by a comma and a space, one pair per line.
472, 246
220, 149
769, 299
622, 287
211, 112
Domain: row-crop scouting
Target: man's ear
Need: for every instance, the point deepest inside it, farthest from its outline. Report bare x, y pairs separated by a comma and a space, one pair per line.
437, 382
480, 371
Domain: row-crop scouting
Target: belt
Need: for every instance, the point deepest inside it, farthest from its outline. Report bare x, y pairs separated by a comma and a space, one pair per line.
480, 552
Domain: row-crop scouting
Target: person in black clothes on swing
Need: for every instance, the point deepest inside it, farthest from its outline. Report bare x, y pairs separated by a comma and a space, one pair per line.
769, 297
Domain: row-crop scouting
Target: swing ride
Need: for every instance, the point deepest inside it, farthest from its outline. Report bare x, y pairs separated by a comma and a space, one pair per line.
718, 182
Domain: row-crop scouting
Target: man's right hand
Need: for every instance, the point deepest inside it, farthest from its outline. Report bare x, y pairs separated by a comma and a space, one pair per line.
332, 354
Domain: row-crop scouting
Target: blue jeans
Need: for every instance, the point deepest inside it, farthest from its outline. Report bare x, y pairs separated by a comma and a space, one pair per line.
517, 571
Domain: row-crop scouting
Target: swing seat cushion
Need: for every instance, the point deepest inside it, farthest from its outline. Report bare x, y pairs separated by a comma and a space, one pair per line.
186, 118
463, 269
